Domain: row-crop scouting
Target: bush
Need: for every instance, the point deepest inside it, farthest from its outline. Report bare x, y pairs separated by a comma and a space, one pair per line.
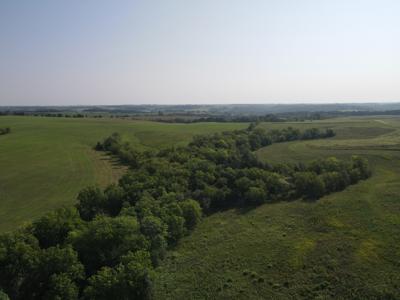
5, 130
309, 185
255, 196
191, 211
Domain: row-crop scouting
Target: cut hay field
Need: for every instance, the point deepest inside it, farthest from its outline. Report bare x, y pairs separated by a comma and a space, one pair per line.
45, 162
344, 246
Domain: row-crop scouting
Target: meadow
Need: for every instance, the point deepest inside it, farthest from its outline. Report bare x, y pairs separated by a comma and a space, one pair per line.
343, 246
45, 162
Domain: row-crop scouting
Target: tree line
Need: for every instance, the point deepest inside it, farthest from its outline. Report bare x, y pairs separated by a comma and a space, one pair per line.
195, 118
107, 246
50, 114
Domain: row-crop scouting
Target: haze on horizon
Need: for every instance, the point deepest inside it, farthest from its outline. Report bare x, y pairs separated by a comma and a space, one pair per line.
195, 52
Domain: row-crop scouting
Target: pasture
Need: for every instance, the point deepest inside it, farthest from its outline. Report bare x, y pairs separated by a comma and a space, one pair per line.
45, 162
344, 246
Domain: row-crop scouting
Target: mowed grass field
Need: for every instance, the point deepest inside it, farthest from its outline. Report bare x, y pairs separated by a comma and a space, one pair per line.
344, 246
45, 162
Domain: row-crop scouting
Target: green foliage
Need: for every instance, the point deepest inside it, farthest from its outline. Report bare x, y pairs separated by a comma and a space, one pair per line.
309, 185
152, 226
191, 212
155, 231
109, 246
53, 228
115, 197
5, 130
3, 296
19, 258
61, 287
361, 164
59, 273
176, 227
91, 202
104, 240
129, 280
255, 196
115, 145
29, 272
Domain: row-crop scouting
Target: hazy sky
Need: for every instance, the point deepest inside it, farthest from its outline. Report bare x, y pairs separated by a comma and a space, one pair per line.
207, 51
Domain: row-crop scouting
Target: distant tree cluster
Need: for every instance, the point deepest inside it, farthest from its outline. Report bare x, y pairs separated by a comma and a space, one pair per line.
65, 115
50, 114
108, 245
5, 130
193, 118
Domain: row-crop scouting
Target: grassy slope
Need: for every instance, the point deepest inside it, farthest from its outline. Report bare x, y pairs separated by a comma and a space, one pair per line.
45, 162
345, 245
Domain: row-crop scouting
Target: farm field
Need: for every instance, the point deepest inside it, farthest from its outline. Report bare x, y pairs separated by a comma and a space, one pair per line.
45, 162
343, 246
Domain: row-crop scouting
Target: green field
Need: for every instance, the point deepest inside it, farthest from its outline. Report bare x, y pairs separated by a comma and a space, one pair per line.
344, 246
45, 162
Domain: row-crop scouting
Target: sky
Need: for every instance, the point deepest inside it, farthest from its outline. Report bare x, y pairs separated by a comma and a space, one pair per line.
198, 52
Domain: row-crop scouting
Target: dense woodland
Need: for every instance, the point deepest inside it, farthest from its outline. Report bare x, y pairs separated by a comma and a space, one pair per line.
107, 247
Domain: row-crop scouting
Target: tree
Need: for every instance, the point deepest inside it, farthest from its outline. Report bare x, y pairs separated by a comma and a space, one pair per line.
333, 181
53, 228
176, 227
113, 143
252, 126
171, 214
156, 232
99, 147
58, 274
28, 272
131, 279
115, 197
255, 196
104, 240
361, 164
243, 184
91, 202
329, 133
19, 258
152, 226
309, 185
191, 211
61, 287
147, 206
